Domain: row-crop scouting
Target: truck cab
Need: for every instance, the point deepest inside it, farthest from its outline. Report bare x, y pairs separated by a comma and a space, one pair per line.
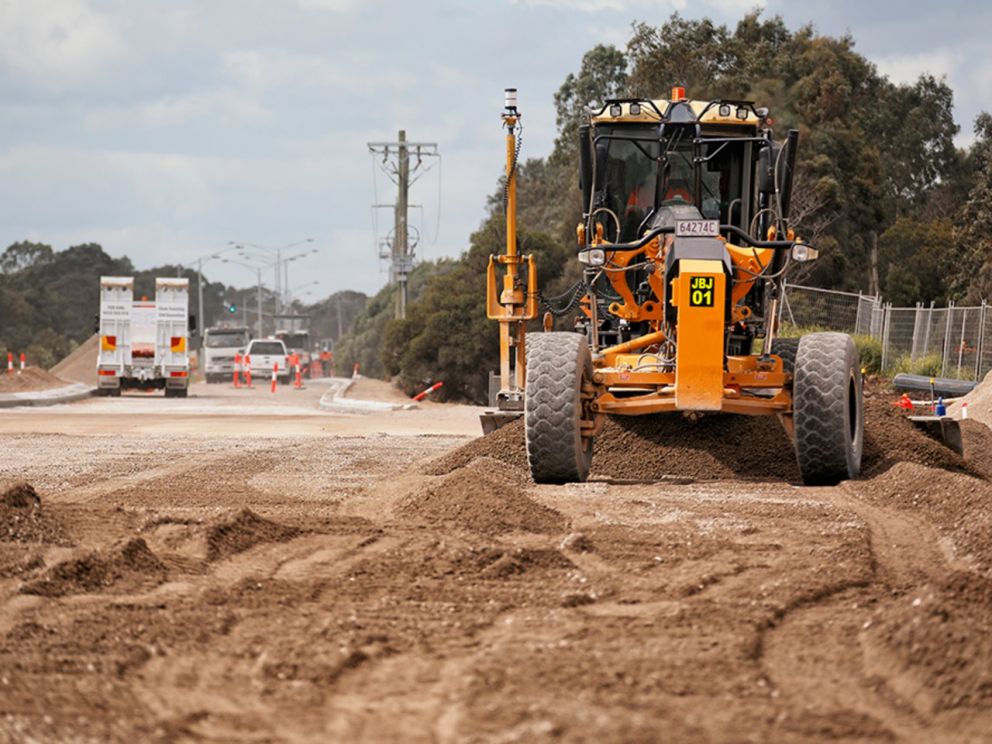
220, 346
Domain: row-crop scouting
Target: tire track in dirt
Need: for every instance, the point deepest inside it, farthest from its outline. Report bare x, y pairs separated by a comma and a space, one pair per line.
845, 686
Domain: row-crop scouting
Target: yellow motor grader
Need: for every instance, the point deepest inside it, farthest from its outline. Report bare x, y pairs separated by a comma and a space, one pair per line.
685, 244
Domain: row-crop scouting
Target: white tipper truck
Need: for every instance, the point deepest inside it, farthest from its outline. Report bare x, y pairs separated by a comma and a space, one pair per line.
221, 346
143, 344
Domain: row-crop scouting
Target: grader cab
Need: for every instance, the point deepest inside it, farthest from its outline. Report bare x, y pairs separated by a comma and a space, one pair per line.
685, 243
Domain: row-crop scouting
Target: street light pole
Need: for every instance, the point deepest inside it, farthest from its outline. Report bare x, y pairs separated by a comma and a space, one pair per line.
199, 301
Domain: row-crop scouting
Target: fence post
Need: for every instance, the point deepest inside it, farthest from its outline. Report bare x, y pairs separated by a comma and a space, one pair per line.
945, 352
926, 333
886, 314
964, 322
781, 307
917, 317
980, 350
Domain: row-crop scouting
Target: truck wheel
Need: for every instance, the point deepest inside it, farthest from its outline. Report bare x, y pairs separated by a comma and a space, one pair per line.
828, 409
554, 408
786, 348
170, 393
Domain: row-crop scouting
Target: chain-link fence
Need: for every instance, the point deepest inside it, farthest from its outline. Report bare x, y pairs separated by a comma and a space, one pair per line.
943, 341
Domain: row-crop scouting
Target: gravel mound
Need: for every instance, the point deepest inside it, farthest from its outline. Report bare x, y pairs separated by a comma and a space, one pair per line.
891, 438
979, 402
723, 446
958, 505
483, 496
30, 380
22, 518
125, 567
80, 365
977, 446
245, 530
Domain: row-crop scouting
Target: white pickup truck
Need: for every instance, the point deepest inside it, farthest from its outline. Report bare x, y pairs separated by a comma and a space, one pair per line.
264, 353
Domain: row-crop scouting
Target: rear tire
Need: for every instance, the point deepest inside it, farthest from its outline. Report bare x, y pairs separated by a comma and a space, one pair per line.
787, 349
828, 409
557, 365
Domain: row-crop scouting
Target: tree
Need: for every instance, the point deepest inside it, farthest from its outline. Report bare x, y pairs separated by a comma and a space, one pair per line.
973, 237
603, 75
23, 255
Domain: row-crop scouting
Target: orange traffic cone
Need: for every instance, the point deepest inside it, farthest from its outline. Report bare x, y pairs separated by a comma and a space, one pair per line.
237, 370
275, 370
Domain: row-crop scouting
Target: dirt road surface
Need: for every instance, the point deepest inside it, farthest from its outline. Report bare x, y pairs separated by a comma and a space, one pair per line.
241, 566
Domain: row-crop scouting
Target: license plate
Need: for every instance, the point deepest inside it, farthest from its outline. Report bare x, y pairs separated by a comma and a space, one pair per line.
697, 228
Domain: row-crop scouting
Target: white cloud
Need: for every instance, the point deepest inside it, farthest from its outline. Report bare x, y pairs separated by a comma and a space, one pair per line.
907, 68
335, 6
57, 44
582, 6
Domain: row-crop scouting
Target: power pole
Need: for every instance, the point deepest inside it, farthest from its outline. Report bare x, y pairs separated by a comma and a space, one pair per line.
396, 164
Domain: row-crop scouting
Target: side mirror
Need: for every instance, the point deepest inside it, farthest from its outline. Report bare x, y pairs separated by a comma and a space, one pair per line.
585, 165
766, 165
192, 325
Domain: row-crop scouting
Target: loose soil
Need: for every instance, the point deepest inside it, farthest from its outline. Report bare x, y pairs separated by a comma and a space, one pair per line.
422, 588
32, 379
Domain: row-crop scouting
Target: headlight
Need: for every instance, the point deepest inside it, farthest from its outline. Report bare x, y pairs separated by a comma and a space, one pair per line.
593, 257
801, 252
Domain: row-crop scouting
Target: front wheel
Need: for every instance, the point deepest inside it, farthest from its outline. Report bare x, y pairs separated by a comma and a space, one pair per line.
828, 409
556, 413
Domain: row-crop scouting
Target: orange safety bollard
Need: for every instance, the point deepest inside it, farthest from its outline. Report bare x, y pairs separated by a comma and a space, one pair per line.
237, 371
275, 371
420, 396
10, 362
354, 371
294, 363
247, 371
22, 363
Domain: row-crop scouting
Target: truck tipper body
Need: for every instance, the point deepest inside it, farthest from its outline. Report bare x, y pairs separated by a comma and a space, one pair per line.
143, 344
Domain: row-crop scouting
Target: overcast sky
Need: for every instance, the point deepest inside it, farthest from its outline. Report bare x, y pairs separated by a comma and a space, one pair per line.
163, 129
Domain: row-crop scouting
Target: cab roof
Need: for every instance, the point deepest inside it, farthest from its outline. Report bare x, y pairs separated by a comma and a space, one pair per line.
719, 112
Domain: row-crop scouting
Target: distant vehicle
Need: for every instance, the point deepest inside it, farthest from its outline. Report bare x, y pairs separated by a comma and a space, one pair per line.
220, 345
143, 344
264, 353
294, 330
299, 342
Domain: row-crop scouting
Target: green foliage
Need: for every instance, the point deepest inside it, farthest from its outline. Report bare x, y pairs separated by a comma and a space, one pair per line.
916, 260
869, 353
869, 349
446, 335
927, 366
333, 317
364, 342
973, 278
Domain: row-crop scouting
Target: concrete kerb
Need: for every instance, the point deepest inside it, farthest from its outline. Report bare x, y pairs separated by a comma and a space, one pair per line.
334, 400
53, 397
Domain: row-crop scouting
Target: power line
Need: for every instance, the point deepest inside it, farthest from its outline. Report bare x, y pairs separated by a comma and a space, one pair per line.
396, 164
